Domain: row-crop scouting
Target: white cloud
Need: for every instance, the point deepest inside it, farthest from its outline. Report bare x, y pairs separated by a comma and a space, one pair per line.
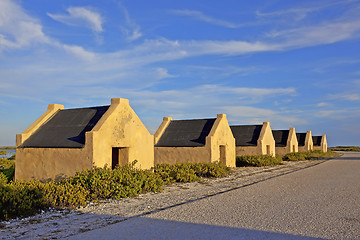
18, 29
326, 33
80, 16
301, 13
256, 115
322, 104
202, 17
80, 52
345, 96
130, 28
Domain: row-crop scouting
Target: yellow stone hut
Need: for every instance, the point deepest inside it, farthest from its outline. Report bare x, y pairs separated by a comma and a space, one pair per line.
285, 141
63, 141
195, 140
305, 141
254, 139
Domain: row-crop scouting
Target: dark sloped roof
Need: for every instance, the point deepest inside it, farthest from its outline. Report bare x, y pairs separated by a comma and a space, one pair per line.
186, 133
66, 128
317, 140
301, 138
246, 135
280, 137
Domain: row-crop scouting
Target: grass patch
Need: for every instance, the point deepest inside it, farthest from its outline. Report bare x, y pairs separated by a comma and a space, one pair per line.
24, 198
316, 154
257, 160
8, 147
3, 152
345, 148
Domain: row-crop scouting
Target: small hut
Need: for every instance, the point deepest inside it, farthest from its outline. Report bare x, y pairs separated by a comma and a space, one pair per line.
254, 139
320, 143
285, 141
305, 141
63, 141
195, 140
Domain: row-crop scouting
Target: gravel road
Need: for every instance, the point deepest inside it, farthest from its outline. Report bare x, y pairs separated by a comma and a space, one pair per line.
319, 202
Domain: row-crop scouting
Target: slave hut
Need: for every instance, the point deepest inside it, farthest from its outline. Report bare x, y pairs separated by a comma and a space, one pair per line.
254, 139
195, 140
320, 143
285, 141
305, 141
63, 141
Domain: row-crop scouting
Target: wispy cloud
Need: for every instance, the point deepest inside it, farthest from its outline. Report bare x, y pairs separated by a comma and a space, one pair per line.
80, 17
18, 29
325, 33
345, 96
130, 29
300, 13
198, 15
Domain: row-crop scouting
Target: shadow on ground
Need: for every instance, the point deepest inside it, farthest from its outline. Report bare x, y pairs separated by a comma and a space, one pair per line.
148, 228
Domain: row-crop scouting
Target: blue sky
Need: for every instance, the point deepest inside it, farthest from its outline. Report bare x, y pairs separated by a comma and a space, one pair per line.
293, 63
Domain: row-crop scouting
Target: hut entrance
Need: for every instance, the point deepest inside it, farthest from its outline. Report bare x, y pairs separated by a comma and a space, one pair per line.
120, 156
223, 154
268, 152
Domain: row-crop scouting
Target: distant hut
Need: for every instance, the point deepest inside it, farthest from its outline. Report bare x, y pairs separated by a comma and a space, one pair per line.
320, 143
195, 140
63, 141
305, 141
254, 139
285, 141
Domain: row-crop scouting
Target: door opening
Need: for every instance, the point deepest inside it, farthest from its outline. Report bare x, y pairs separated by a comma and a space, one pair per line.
268, 152
120, 156
223, 154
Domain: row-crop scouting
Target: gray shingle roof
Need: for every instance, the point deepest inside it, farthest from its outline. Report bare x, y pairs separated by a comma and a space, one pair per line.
317, 140
280, 137
186, 133
66, 128
301, 138
246, 135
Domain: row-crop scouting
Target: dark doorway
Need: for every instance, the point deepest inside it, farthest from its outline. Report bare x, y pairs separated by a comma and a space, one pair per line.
223, 154
120, 156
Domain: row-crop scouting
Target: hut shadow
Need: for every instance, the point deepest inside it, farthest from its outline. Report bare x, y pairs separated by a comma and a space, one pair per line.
150, 228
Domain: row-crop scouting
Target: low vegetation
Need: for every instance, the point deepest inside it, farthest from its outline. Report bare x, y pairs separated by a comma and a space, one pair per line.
345, 148
316, 154
24, 198
7, 170
8, 147
257, 160
3, 152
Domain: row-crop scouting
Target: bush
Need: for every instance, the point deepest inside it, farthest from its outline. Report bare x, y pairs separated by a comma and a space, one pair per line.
257, 161
316, 154
9, 173
6, 163
297, 156
3, 179
190, 172
346, 148
18, 199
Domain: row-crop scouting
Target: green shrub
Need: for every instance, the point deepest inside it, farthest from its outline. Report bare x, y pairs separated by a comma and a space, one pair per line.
297, 156
189, 172
6, 163
20, 199
257, 161
9, 173
316, 154
3, 179
3, 152
345, 148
